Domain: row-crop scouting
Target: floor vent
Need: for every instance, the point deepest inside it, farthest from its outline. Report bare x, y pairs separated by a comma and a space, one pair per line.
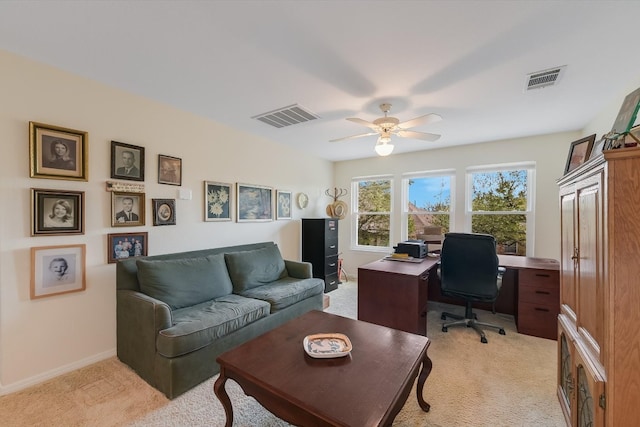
544, 78
286, 116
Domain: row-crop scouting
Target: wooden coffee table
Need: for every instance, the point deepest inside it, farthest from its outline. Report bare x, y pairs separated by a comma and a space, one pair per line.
365, 388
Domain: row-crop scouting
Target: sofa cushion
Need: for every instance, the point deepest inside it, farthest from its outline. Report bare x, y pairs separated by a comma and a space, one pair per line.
184, 282
285, 292
249, 269
198, 326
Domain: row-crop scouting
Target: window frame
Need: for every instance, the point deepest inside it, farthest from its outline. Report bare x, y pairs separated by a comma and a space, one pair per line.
355, 191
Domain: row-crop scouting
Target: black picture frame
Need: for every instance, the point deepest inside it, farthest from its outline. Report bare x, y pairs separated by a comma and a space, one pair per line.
57, 153
169, 170
164, 211
126, 245
56, 212
121, 155
579, 152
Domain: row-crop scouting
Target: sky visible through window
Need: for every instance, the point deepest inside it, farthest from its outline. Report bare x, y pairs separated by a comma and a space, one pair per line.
430, 190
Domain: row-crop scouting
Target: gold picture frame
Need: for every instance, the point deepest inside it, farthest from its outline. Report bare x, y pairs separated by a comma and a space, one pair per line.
127, 209
58, 153
57, 270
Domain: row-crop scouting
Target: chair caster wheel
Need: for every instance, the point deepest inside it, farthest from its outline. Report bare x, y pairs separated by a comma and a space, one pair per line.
444, 329
443, 317
483, 340
502, 332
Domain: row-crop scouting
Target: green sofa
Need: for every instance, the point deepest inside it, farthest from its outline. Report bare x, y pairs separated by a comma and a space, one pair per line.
177, 312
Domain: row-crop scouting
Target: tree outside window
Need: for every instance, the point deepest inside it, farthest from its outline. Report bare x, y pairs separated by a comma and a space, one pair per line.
499, 206
428, 205
373, 215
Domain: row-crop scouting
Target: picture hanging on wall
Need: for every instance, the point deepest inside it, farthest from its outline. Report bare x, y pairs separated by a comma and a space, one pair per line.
56, 212
218, 201
254, 203
57, 153
169, 170
127, 209
164, 212
57, 270
283, 204
127, 161
126, 245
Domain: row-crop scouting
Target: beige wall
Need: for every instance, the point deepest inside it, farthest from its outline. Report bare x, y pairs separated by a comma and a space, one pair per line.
42, 338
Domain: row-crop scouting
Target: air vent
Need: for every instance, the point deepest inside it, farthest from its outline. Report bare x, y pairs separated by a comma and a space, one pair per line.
544, 78
286, 116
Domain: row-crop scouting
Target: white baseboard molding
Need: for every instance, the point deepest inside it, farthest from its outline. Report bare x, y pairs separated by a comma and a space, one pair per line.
28, 382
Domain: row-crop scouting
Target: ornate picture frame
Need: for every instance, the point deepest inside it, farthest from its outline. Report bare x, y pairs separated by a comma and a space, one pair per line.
126, 245
57, 153
169, 170
164, 211
283, 204
57, 270
127, 161
56, 212
127, 209
579, 152
218, 201
254, 203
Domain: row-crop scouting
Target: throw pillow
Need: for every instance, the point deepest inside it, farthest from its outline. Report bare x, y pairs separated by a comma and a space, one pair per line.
184, 282
249, 269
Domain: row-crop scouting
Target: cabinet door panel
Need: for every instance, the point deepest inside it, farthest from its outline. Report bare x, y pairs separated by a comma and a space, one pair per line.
568, 246
589, 411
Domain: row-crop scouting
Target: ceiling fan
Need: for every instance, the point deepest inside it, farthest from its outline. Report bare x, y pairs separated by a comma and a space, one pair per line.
387, 126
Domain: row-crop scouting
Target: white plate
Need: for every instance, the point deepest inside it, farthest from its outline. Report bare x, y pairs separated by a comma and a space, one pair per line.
322, 346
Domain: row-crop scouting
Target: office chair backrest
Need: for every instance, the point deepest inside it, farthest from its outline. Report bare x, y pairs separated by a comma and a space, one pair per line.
469, 264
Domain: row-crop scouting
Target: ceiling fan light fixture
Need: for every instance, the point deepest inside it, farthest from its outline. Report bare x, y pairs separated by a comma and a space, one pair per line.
383, 148
384, 139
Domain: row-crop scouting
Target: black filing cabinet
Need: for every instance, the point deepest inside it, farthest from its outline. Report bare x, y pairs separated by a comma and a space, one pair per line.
320, 248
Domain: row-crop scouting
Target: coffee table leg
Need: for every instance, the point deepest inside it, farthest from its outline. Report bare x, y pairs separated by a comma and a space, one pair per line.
218, 389
424, 373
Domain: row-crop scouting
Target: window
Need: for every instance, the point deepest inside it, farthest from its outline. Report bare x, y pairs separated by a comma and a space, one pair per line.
500, 203
372, 213
427, 205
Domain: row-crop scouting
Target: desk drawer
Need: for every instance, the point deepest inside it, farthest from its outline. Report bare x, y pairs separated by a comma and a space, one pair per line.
539, 295
537, 321
548, 279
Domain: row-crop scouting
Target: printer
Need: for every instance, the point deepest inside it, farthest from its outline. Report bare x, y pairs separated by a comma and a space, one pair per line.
413, 248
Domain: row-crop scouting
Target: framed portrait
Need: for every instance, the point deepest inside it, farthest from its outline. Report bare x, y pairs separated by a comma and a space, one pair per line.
164, 211
579, 152
598, 147
127, 209
126, 245
283, 204
127, 161
56, 212
628, 112
57, 153
169, 170
57, 270
254, 203
218, 201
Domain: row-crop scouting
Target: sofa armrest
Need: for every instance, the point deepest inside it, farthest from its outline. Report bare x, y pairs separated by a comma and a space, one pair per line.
299, 269
139, 319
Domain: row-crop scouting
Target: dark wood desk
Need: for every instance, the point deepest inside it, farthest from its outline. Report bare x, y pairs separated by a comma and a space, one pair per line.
395, 294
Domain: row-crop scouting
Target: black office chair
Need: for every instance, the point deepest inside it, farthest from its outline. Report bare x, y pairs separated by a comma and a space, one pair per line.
469, 270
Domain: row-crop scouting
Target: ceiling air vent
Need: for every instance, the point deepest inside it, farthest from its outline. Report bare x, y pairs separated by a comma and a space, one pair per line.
544, 78
286, 116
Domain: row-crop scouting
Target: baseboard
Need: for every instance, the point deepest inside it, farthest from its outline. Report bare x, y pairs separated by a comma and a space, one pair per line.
21, 385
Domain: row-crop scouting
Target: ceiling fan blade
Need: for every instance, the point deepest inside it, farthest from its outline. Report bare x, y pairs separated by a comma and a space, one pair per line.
363, 123
354, 136
418, 135
422, 120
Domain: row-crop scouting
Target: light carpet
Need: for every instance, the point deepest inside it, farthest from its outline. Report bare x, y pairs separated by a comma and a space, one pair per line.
508, 382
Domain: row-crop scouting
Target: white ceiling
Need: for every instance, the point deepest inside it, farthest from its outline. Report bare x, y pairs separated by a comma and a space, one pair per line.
231, 60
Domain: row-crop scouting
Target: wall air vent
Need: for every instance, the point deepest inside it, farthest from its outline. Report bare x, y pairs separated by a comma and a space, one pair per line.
544, 78
286, 116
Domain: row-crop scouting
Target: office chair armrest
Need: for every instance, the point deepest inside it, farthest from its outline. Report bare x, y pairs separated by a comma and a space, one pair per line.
501, 271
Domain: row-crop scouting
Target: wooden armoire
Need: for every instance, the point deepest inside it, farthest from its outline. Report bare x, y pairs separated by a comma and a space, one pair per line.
599, 320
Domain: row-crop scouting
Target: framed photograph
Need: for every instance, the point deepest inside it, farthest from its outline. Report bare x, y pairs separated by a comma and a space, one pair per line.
579, 152
164, 211
127, 209
598, 147
283, 204
126, 245
56, 212
169, 170
57, 270
218, 201
254, 203
127, 161
57, 153
628, 112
